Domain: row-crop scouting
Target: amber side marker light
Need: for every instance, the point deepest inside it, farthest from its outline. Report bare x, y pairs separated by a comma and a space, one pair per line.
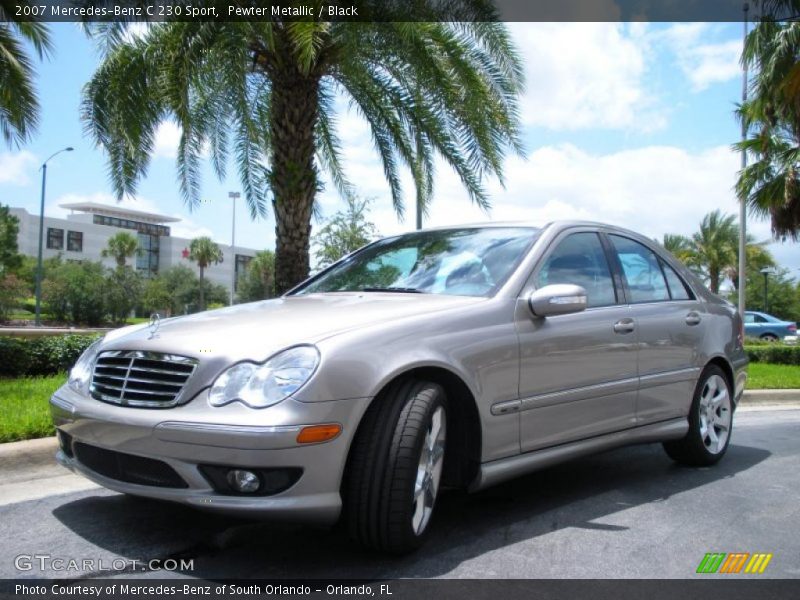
318, 433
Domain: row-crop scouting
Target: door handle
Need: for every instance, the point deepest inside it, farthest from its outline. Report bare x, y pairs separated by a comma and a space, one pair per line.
624, 326
693, 319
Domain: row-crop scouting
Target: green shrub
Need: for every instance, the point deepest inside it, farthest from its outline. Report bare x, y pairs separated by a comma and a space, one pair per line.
14, 356
777, 354
41, 356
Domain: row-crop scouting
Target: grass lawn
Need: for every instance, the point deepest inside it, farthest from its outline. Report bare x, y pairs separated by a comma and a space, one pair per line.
764, 376
24, 410
136, 320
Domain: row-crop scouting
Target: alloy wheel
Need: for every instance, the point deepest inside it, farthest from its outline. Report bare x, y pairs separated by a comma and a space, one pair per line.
429, 470
715, 414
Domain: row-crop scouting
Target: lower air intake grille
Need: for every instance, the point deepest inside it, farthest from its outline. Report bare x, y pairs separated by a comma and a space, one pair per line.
127, 467
139, 378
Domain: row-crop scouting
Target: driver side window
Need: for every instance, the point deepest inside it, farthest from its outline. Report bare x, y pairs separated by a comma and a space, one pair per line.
579, 259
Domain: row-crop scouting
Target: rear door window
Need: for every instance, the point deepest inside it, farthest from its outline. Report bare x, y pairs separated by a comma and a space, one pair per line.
642, 270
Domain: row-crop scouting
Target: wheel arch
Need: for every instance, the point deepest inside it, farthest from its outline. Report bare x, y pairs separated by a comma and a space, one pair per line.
464, 445
727, 369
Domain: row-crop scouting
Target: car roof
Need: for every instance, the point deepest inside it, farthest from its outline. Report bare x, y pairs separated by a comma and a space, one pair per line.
560, 224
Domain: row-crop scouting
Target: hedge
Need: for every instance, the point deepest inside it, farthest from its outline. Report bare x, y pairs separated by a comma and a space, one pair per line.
774, 353
41, 356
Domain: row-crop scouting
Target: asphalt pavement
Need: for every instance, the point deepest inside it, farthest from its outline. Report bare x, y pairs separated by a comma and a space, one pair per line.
628, 513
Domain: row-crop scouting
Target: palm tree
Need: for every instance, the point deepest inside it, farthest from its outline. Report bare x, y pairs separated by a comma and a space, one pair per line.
680, 246
121, 246
204, 251
266, 93
714, 247
258, 282
19, 106
770, 183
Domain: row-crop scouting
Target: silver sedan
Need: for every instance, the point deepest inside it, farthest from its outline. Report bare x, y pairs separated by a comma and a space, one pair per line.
456, 357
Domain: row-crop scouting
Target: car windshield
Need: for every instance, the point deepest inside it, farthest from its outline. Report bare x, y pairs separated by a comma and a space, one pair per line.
461, 262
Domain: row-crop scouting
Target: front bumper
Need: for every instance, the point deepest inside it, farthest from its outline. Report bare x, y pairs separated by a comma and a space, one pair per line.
194, 434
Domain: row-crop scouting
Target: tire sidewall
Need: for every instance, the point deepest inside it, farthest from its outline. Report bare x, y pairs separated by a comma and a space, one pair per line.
437, 400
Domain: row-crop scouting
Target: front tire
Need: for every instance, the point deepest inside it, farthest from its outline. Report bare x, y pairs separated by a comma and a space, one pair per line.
395, 467
710, 422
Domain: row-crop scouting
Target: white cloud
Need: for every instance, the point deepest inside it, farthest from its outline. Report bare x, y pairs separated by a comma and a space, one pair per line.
16, 167
703, 62
168, 137
582, 75
653, 190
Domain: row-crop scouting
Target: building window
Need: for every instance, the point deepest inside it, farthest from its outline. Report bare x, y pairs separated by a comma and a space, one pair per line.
148, 228
147, 257
242, 263
75, 241
55, 238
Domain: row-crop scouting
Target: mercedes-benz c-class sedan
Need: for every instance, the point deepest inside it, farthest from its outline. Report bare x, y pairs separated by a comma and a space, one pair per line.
456, 357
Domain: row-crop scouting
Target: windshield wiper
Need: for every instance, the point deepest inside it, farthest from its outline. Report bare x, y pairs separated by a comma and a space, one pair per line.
402, 290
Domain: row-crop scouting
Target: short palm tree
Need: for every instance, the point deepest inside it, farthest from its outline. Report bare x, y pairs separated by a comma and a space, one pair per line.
204, 251
263, 268
121, 246
770, 183
714, 247
19, 106
266, 95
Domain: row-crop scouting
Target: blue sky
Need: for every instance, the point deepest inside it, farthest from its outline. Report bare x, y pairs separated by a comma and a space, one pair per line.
625, 123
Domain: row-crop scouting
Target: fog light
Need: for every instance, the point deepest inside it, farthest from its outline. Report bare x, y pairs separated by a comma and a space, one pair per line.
243, 481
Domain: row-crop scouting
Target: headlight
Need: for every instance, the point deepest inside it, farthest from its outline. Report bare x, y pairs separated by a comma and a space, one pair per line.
262, 385
81, 374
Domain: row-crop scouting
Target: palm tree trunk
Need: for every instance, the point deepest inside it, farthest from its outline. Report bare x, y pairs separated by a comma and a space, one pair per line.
202, 291
294, 110
714, 283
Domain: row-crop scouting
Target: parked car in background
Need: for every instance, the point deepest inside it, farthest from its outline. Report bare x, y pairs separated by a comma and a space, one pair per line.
458, 357
766, 327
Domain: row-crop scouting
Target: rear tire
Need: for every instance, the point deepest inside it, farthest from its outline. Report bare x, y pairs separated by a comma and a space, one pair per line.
395, 467
710, 422
769, 337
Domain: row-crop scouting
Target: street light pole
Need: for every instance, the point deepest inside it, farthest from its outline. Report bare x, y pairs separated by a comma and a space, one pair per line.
38, 293
233, 196
766, 272
743, 201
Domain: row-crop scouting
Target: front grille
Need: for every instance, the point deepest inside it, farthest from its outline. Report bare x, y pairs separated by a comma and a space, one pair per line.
127, 467
139, 378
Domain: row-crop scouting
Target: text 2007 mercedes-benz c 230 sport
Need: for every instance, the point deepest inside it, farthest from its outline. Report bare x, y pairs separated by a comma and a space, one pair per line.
457, 357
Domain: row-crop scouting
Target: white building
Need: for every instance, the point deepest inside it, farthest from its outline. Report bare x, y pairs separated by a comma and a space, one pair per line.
84, 234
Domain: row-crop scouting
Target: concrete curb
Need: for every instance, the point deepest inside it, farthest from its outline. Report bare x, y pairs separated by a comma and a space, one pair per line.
752, 397
28, 453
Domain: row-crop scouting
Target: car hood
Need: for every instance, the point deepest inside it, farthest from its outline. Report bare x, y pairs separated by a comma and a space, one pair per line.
259, 329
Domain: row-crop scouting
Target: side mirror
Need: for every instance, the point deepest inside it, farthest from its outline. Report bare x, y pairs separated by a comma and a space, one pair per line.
558, 299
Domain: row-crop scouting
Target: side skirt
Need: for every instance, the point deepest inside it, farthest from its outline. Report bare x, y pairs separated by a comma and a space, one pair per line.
498, 471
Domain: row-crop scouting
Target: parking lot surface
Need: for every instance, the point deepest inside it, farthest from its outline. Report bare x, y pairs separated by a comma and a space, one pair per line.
629, 513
